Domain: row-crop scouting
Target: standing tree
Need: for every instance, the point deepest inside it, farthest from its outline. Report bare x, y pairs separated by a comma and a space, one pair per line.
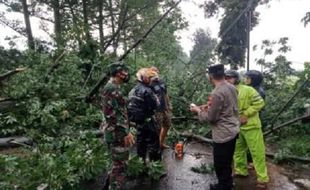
306, 19
28, 25
233, 29
202, 52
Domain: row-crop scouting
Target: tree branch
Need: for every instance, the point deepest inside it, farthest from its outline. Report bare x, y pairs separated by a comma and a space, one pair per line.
286, 124
104, 77
288, 102
149, 31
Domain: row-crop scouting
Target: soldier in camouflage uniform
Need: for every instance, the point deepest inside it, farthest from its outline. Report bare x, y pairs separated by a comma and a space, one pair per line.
117, 134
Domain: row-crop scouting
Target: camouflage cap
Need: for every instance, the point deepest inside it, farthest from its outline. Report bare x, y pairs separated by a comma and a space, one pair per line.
117, 67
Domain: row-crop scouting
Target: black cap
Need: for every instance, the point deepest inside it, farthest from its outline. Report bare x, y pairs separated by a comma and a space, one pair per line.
216, 69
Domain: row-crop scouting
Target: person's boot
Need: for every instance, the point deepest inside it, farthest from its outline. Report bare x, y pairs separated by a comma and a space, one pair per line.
106, 183
216, 186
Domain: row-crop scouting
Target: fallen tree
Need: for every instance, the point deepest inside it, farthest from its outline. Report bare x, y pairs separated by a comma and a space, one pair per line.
268, 154
286, 124
9, 142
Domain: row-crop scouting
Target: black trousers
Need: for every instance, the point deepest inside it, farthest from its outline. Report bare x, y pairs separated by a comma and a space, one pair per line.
223, 157
148, 140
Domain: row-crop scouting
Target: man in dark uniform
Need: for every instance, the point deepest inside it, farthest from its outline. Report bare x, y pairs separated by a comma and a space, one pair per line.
117, 134
222, 114
141, 109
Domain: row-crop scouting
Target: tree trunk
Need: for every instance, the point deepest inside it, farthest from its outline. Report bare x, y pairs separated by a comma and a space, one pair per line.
28, 25
100, 23
75, 23
57, 27
112, 25
85, 20
103, 79
15, 141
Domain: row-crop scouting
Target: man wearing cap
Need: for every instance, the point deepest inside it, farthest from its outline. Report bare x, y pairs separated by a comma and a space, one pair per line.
163, 113
251, 136
222, 114
142, 105
117, 134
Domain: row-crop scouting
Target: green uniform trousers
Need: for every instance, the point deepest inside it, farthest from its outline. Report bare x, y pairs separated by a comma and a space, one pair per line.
253, 140
120, 156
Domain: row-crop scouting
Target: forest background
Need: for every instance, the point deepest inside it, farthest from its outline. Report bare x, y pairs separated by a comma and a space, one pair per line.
49, 101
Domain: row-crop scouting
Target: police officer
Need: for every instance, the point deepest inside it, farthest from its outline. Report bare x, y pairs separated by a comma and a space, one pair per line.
222, 113
141, 109
251, 136
117, 134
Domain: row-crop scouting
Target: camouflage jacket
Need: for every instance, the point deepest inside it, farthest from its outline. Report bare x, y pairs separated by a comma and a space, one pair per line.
114, 108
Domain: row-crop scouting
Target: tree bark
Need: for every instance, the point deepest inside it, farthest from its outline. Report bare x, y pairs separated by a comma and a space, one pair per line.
57, 26
285, 124
196, 137
85, 20
28, 25
100, 23
112, 26
7, 104
15, 141
293, 158
75, 23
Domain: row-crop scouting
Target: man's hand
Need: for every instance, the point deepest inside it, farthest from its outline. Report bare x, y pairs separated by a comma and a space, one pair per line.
129, 140
194, 108
243, 119
204, 107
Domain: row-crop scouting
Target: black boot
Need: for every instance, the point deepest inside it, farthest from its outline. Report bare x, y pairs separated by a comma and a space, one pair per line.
216, 186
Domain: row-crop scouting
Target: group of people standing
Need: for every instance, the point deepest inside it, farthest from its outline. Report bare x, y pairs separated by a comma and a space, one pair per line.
232, 111
147, 106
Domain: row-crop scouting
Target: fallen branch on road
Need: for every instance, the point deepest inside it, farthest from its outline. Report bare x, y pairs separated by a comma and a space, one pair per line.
15, 142
286, 124
292, 158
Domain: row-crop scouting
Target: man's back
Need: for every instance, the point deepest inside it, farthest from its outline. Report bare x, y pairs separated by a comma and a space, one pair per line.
142, 103
160, 89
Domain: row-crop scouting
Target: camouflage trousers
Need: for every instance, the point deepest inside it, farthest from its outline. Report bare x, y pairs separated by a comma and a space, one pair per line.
120, 156
148, 140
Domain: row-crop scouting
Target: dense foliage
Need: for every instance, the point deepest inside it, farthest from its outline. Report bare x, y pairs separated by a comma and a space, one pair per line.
47, 100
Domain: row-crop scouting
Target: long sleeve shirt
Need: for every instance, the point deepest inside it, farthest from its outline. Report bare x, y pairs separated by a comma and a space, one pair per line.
222, 113
115, 111
249, 103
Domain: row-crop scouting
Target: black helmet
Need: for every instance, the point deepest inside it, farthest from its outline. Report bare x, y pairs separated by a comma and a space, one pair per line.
255, 76
234, 74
